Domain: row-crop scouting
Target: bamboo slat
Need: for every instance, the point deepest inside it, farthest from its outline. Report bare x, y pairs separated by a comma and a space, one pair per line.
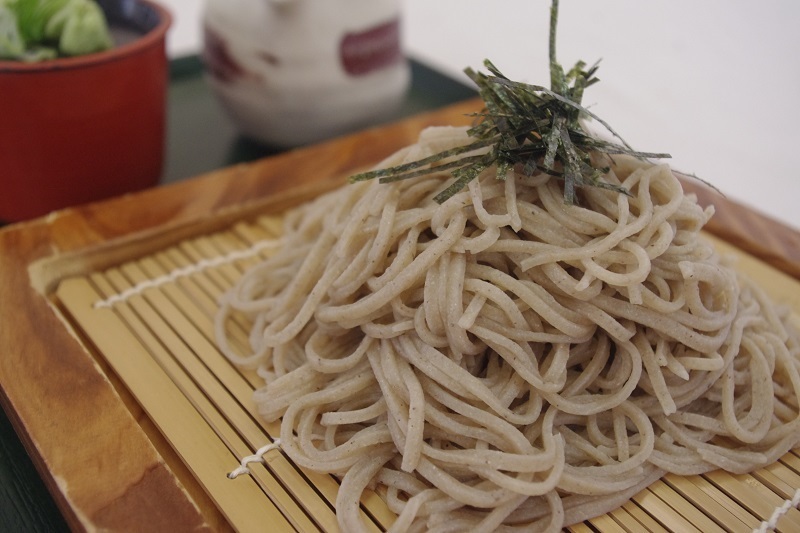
152, 320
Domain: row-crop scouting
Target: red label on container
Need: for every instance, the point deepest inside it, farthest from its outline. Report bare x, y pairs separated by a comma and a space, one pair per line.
370, 50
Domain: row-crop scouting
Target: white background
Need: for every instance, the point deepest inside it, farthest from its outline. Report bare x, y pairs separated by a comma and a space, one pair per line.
713, 82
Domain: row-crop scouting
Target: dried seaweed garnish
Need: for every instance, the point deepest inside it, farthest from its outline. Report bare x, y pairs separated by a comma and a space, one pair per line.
528, 127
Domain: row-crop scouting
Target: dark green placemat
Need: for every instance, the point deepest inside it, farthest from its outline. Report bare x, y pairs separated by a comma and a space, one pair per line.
200, 136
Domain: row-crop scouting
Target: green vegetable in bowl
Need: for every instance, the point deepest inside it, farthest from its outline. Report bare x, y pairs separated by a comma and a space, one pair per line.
11, 44
34, 30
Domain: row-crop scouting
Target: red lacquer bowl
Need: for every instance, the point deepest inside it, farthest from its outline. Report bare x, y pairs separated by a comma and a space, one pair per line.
76, 130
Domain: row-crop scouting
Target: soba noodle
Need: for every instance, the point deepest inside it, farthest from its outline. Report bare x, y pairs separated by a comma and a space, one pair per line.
508, 361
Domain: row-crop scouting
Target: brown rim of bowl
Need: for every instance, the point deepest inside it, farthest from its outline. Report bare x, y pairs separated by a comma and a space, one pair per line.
118, 52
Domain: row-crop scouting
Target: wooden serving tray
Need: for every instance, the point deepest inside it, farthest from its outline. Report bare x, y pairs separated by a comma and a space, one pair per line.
126, 441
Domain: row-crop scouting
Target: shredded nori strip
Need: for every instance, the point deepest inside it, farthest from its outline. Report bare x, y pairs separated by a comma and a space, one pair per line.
528, 127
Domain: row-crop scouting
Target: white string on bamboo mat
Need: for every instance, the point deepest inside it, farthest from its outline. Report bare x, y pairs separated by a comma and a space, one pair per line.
257, 457
189, 270
772, 523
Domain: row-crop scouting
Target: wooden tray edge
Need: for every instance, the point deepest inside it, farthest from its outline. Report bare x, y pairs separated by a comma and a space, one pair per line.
46, 370
33, 256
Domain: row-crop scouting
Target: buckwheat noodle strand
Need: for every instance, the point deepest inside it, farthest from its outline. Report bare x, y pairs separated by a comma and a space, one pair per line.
505, 361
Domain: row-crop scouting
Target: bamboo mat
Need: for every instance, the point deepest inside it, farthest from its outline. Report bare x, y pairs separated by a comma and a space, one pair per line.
151, 321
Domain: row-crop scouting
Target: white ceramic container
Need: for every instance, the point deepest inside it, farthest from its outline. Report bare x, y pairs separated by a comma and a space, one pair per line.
292, 72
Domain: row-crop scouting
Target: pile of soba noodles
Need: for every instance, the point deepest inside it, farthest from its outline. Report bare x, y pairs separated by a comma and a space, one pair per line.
506, 360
